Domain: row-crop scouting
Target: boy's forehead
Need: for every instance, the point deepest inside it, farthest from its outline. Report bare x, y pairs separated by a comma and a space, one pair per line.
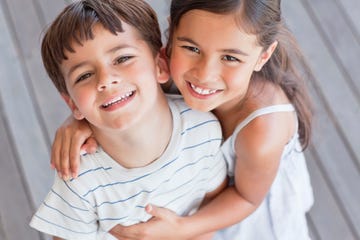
79, 39
103, 43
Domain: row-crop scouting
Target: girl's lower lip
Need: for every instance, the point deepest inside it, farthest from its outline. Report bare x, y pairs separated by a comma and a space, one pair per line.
197, 95
119, 104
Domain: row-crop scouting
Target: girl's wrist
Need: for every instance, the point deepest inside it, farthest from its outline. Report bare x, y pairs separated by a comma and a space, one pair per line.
188, 227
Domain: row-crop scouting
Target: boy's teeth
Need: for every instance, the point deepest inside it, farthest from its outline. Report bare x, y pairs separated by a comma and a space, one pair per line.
202, 91
119, 99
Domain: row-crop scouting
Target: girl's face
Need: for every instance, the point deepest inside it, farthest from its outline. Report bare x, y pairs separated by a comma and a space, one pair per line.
212, 60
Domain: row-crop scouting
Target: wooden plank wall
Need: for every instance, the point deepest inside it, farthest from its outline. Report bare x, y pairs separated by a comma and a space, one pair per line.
30, 110
328, 32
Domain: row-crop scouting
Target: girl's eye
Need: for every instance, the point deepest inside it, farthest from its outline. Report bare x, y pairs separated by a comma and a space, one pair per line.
192, 49
123, 59
230, 58
83, 77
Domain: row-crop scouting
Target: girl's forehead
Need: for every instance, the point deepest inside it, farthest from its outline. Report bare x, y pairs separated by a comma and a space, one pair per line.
214, 28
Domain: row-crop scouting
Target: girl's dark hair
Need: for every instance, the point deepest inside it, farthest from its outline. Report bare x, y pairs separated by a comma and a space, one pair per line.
75, 25
286, 68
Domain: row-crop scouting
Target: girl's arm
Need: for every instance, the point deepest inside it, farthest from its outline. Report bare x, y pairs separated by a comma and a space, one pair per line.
165, 224
71, 138
258, 148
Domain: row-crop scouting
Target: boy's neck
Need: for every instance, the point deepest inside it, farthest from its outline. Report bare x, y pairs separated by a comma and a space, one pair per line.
143, 143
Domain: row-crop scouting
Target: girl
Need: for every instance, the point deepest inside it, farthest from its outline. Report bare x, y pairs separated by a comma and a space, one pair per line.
237, 59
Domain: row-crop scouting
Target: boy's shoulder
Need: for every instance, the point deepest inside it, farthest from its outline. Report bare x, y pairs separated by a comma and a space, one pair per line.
92, 167
177, 101
187, 120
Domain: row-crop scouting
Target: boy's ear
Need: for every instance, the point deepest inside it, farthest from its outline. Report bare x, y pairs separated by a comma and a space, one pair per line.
163, 74
75, 111
265, 56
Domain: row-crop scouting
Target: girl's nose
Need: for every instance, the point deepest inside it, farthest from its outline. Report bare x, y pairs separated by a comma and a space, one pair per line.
207, 70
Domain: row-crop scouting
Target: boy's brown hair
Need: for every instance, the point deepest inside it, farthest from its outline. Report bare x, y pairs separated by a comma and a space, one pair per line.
75, 23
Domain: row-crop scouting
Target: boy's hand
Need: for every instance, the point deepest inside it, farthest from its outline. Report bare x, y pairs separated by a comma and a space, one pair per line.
72, 138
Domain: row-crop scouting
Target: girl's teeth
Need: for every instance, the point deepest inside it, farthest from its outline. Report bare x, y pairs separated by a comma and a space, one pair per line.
202, 91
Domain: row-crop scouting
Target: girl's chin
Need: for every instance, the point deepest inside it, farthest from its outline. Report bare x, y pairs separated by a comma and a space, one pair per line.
202, 107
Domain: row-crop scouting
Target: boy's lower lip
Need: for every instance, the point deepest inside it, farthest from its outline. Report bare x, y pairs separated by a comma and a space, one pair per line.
119, 104
200, 96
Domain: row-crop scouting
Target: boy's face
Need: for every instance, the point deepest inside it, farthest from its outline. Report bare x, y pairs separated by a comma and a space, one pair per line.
112, 80
212, 60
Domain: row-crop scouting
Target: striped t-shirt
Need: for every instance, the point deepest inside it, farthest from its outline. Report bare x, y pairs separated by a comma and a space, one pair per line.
106, 194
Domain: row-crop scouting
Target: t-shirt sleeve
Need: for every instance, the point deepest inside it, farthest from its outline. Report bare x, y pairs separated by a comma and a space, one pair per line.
217, 165
217, 173
66, 214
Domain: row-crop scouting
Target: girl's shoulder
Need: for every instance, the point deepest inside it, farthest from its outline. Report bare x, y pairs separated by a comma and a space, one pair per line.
266, 128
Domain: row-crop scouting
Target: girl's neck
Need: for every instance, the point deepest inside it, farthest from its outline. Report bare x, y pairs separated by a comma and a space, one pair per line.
260, 94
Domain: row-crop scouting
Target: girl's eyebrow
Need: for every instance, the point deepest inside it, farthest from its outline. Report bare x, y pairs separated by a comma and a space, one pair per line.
185, 39
235, 51
226, 50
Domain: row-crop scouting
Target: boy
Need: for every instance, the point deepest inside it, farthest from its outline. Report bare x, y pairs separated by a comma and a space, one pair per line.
103, 57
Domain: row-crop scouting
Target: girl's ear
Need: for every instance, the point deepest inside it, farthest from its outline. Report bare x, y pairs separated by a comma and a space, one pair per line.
75, 111
162, 68
265, 56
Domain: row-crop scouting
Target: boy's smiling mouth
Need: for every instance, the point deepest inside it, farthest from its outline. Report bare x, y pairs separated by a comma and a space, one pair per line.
118, 99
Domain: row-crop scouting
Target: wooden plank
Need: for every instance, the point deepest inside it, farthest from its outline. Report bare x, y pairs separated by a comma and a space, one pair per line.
162, 8
26, 132
49, 107
336, 125
314, 235
326, 217
338, 36
48, 10
351, 10
337, 164
342, 73
15, 205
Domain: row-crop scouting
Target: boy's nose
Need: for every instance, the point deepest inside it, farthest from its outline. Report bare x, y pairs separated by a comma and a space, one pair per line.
106, 80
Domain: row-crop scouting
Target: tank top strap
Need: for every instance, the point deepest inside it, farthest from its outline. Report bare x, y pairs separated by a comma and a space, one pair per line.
263, 111
228, 147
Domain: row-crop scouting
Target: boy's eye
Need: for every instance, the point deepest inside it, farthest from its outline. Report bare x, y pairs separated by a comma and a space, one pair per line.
123, 59
192, 49
230, 58
83, 77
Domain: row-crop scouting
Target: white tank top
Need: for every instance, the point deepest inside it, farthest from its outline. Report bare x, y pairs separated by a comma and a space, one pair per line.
228, 147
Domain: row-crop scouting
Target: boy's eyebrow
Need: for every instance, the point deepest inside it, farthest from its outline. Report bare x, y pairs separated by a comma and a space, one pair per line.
121, 46
114, 49
230, 50
73, 68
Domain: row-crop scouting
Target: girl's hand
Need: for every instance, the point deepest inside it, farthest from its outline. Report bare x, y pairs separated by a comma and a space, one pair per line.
72, 138
165, 224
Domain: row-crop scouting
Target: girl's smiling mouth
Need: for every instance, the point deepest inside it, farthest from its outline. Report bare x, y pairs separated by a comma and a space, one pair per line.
202, 91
